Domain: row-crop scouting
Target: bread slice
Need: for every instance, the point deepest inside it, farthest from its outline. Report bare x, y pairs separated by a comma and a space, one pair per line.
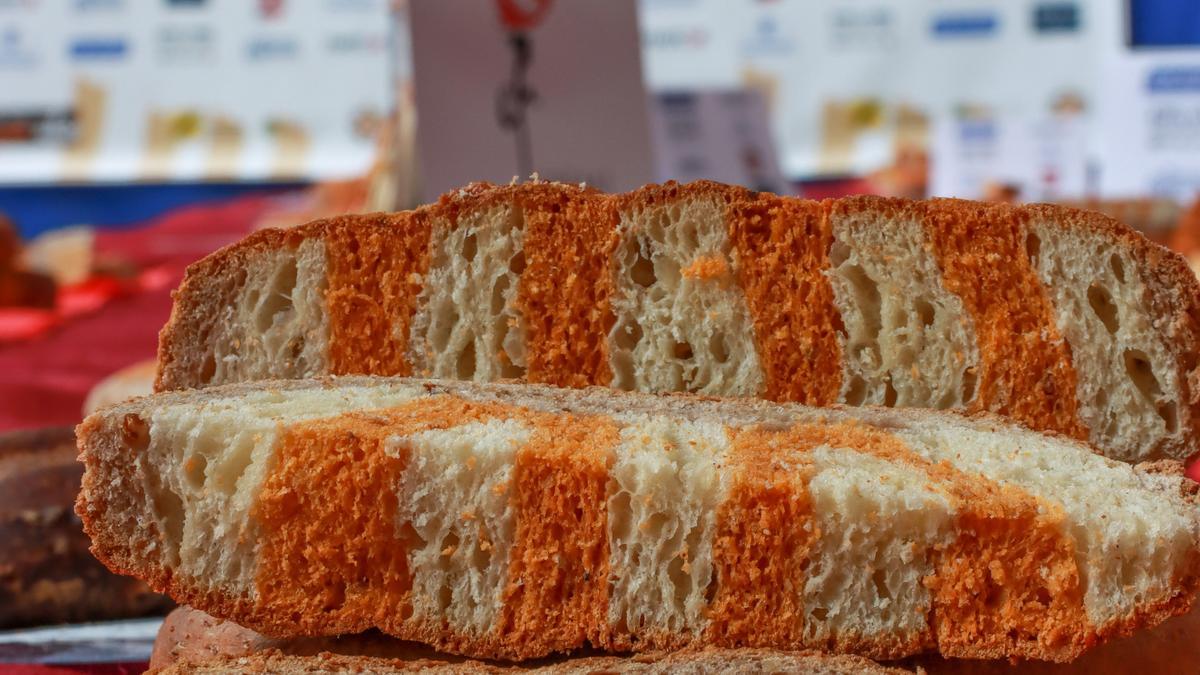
1064, 320
517, 521
715, 662
193, 636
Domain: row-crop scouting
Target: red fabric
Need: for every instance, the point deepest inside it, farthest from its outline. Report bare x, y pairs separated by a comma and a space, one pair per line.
104, 325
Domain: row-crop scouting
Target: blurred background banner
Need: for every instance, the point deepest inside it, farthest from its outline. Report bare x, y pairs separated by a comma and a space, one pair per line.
185, 90
552, 86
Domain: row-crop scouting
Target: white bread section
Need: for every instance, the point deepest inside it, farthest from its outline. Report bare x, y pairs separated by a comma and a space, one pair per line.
1128, 538
467, 326
455, 496
877, 523
276, 324
1129, 394
682, 323
908, 341
666, 488
206, 463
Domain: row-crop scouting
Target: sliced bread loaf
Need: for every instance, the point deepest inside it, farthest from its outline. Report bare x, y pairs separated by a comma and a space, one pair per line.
517, 521
710, 662
1064, 320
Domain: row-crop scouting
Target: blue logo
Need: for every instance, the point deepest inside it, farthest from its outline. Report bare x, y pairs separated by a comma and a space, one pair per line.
1174, 79
966, 25
272, 49
99, 49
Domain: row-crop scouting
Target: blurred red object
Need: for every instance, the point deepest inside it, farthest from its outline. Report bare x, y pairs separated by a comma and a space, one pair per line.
50, 359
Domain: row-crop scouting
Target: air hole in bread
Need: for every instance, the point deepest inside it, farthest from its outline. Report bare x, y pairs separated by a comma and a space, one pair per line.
1105, 309
628, 336
642, 272
856, 393
208, 367
683, 351
464, 368
1137, 367
879, 578
1033, 247
498, 290
889, 394
925, 312
970, 381
135, 432
516, 264
470, 247
866, 295
1170, 416
718, 347
1118, 267
278, 295
233, 465
445, 318
193, 470
838, 254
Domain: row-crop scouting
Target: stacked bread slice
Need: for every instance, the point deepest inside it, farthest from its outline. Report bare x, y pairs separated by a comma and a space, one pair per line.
292, 475
519, 521
1061, 319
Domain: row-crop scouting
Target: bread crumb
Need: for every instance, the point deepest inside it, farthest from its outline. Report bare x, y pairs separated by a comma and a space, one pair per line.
705, 268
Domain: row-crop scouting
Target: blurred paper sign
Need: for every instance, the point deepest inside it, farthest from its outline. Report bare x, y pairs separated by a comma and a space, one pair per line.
506, 88
1043, 159
718, 135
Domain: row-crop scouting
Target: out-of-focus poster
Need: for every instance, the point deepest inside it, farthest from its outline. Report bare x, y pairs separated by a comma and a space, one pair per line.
506, 88
853, 84
117, 90
1148, 131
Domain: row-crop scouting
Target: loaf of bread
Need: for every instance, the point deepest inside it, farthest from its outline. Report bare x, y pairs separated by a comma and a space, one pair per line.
188, 634
47, 575
518, 521
1062, 319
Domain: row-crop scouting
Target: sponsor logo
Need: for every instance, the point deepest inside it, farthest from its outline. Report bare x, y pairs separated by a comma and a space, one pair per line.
99, 49
185, 44
767, 39
14, 52
1056, 17
356, 43
272, 48
97, 5
1173, 79
965, 25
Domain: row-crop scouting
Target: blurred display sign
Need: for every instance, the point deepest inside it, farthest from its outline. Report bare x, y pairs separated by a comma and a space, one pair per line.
851, 84
506, 88
1040, 160
122, 90
718, 135
1148, 131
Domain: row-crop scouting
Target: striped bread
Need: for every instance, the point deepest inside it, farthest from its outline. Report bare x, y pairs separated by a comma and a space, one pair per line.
518, 521
193, 636
713, 662
1064, 320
